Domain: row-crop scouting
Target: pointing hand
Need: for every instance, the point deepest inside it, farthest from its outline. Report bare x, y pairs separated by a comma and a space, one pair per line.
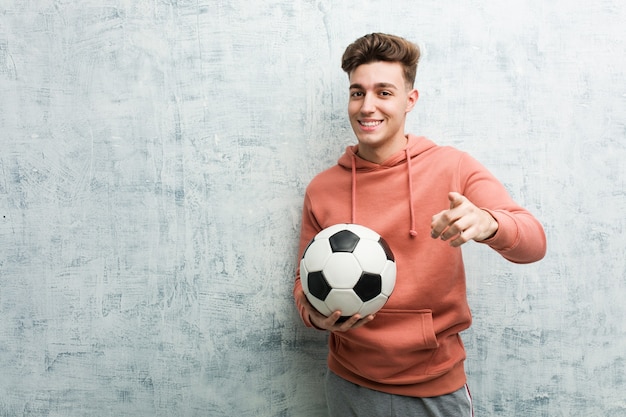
462, 222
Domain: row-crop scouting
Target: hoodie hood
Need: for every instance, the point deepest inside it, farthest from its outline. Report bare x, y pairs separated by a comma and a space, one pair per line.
415, 146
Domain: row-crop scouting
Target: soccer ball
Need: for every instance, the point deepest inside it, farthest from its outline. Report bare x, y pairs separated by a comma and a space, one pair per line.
348, 267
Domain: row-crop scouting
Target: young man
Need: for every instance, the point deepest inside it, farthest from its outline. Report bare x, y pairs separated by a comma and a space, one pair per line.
426, 201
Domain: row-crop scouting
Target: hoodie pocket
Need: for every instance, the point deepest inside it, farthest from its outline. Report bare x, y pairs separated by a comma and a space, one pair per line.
396, 347
409, 330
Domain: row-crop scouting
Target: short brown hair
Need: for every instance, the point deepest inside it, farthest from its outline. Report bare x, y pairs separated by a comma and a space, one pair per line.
382, 47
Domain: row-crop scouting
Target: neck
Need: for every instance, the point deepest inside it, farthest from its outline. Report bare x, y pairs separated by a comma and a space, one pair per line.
379, 154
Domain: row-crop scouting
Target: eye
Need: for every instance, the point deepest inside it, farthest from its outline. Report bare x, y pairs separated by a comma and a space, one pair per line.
385, 93
356, 94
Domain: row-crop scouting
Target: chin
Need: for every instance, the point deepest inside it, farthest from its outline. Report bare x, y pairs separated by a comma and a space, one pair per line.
373, 140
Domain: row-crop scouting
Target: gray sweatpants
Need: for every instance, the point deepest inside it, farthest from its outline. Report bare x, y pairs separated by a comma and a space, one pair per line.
346, 399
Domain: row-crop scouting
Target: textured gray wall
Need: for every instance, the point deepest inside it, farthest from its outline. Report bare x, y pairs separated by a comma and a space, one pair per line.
153, 159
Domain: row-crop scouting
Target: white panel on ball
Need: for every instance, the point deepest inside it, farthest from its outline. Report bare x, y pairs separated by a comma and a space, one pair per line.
317, 254
369, 256
389, 278
373, 305
342, 270
345, 300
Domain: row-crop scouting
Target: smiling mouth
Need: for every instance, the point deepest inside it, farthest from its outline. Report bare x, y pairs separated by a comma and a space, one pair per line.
370, 124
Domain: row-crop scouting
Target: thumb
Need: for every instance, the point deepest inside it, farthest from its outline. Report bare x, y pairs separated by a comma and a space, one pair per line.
456, 199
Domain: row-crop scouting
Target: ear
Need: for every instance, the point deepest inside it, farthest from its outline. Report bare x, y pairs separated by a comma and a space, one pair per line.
411, 99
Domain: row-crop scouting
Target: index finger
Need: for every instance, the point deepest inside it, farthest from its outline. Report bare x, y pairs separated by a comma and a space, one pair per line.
444, 219
456, 199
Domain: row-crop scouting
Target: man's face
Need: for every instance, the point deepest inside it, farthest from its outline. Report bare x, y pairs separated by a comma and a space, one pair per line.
379, 102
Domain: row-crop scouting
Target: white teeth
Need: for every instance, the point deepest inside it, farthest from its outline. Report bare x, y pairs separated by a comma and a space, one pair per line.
370, 124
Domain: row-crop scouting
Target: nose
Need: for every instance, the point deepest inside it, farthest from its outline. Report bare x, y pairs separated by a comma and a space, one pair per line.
368, 104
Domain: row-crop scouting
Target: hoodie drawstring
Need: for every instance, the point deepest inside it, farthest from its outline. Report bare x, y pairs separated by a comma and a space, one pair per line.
412, 231
353, 221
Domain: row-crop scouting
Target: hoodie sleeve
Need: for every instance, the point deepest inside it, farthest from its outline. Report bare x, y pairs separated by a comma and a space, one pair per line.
520, 237
308, 230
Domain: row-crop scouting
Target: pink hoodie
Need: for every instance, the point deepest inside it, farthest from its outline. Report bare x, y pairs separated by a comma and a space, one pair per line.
413, 346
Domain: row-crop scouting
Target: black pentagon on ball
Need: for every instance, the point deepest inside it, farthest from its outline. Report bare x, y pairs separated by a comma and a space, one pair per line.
387, 249
368, 286
318, 286
343, 241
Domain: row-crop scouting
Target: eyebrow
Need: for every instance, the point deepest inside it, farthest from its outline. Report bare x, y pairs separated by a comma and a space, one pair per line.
377, 85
